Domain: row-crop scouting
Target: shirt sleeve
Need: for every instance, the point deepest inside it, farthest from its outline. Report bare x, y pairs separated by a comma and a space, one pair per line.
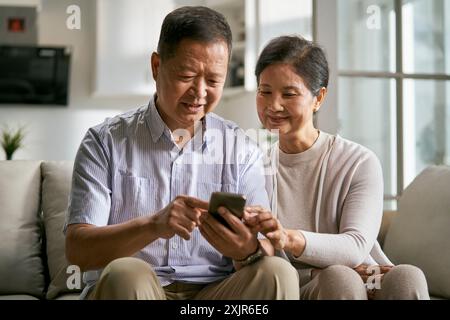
359, 223
90, 197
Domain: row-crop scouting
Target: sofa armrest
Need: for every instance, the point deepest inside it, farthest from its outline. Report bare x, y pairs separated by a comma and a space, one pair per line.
385, 223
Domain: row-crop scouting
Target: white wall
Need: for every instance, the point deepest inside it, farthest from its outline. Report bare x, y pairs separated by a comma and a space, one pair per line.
326, 30
240, 108
54, 133
19, 3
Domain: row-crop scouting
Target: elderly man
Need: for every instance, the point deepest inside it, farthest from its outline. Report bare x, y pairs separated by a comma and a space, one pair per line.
137, 220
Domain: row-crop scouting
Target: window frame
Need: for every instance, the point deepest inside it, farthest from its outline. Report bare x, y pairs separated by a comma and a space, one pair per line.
399, 76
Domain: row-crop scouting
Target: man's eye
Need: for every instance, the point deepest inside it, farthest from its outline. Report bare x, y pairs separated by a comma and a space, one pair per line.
264, 93
214, 82
289, 94
187, 78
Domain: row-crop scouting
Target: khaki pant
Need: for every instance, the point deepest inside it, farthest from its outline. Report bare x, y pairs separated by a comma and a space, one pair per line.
130, 278
402, 282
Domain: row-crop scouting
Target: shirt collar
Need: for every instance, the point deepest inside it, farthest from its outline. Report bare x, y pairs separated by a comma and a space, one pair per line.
155, 123
207, 123
158, 127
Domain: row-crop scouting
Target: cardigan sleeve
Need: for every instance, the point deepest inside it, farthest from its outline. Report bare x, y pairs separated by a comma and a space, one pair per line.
359, 222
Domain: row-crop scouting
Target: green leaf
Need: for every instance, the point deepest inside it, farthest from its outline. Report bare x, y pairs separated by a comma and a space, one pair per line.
12, 140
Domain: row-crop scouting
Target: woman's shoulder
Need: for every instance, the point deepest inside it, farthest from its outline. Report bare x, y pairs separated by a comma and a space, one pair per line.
349, 151
346, 146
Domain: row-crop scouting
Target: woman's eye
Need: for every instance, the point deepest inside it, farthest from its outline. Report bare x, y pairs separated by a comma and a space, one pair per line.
264, 92
289, 94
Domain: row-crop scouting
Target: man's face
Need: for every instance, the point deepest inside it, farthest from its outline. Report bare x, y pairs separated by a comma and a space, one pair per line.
190, 83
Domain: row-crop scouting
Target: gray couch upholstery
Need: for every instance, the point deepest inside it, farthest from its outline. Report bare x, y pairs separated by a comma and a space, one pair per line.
419, 233
33, 203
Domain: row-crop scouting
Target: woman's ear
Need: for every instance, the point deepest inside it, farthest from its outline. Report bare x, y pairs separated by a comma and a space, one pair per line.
320, 98
155, 62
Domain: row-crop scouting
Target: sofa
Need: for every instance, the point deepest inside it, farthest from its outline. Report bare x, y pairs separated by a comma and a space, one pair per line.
33, 203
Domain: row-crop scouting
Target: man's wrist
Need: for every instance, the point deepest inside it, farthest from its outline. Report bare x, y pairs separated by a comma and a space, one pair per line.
253, 257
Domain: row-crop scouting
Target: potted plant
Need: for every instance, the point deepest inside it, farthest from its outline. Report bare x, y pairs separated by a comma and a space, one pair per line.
12, 140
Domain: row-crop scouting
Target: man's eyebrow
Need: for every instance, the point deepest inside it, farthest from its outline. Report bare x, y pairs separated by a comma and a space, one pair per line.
184, 68
215, 74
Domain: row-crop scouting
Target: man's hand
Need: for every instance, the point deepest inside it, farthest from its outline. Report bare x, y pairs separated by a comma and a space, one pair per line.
237, 243
180, 217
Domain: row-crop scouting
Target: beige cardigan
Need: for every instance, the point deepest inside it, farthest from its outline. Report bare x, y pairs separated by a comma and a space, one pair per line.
349, 208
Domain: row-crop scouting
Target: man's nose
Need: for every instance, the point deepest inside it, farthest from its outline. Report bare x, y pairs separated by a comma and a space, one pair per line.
199, 88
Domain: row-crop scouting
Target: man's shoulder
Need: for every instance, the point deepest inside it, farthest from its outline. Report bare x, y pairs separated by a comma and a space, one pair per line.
217, 122
230, 128
124, 120
233, 134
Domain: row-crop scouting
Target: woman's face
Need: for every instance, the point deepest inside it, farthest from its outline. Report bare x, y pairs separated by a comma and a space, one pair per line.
283, 100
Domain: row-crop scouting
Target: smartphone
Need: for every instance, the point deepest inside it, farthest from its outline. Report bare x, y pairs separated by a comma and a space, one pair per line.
234, 202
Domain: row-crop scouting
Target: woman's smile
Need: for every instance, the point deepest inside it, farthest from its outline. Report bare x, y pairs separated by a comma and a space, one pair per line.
276, 120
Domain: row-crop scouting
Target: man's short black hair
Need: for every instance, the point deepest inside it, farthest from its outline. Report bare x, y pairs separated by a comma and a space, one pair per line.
192, 22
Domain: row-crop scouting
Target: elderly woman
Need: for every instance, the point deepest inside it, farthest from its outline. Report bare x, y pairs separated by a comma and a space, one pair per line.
327, 196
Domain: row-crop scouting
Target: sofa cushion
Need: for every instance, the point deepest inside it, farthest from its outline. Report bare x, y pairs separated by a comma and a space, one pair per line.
70, 296
18, 297
420, 232
21, 265
56, 183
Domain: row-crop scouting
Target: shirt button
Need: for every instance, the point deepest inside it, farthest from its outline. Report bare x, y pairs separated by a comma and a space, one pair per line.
174, 245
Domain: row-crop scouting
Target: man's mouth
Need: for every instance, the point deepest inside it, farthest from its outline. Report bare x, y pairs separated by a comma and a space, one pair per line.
193, 107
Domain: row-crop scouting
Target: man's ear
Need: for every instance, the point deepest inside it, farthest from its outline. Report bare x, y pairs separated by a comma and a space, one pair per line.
155, 62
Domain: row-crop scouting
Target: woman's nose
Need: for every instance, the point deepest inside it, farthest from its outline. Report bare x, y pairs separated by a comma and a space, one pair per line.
275, 106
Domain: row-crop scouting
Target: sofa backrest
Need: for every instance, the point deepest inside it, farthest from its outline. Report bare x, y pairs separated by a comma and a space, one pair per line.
33, 204
21, 265
56, 184
420, 233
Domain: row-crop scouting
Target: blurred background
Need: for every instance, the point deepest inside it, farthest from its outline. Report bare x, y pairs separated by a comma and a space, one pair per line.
66, 65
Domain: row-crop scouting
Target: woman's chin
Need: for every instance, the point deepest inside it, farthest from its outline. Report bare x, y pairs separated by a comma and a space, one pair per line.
269, 125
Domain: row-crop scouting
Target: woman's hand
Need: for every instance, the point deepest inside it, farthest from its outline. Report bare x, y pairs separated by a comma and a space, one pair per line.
376, 272
366, 271
261, 220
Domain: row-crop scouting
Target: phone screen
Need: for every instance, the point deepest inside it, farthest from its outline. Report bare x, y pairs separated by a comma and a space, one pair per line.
234, 202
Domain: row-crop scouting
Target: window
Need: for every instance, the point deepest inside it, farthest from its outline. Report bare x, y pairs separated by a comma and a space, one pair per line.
394, 84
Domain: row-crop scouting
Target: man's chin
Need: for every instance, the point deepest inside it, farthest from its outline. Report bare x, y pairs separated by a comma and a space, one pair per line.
189, 121
191, 117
